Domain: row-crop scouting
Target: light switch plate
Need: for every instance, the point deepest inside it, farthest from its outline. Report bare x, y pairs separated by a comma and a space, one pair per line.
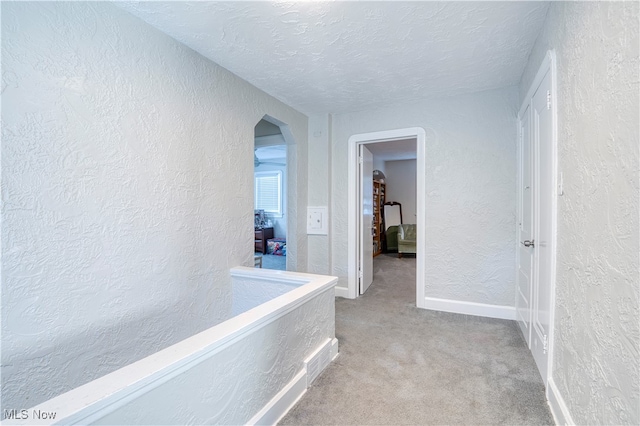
317, 221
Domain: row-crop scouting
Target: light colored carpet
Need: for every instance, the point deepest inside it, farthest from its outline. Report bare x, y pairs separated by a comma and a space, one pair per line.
270, 261
402, 365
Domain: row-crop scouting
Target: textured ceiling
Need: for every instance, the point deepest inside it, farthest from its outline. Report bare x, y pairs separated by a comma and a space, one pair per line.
332, 57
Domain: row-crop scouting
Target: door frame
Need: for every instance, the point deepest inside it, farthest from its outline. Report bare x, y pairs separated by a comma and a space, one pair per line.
548, 65
364, 238
352, 193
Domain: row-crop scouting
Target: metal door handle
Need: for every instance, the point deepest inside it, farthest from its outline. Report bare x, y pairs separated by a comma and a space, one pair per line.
528, 243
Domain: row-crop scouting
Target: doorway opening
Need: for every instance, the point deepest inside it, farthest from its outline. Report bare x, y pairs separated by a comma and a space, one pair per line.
363, 227
271, 194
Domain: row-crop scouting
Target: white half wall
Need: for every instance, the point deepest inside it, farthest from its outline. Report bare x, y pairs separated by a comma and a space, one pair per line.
470, 196
596, 363
127, 182
240, 384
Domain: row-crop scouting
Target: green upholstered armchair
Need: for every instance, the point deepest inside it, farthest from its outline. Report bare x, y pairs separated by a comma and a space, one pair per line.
392, 238
406, 239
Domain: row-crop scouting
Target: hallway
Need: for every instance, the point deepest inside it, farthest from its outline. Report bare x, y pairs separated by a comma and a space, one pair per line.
402, 365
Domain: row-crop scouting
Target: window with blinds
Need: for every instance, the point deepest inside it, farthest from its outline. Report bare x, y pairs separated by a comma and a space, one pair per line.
268, 192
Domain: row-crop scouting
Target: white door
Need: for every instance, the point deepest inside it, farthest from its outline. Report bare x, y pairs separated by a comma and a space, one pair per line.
526, 222
366, 219
544, 174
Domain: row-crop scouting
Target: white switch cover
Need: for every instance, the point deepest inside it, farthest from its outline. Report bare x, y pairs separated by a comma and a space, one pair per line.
317, 221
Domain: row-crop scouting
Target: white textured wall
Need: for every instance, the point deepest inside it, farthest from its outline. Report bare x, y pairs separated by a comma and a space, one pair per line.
319, 189
471, 192
401, 187
249, 293
597, 339
236, 383
127, 182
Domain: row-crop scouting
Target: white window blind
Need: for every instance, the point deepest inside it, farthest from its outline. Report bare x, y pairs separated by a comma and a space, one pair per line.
268, 192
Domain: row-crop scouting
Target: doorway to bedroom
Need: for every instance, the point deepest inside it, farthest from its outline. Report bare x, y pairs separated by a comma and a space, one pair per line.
386, 211
270, 196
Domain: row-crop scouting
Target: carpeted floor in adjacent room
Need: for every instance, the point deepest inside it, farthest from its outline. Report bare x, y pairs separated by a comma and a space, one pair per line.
271, 261
402, 365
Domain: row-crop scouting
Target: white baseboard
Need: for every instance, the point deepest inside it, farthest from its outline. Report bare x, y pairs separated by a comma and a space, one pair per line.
284, 400
315, 363
334, 349
342, 292
470, 308
558, 407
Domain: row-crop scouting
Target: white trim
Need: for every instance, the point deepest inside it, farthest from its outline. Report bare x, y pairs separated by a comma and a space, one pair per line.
470, 308
523, 323
421, 211
342, 292
318, 361
334, 349
554, 208
284, 400
549, 61
421, 245
549, 64
272, 275
352, 220
558, 407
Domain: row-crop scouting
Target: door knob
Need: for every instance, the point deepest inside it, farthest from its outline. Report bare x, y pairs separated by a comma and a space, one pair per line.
528, 243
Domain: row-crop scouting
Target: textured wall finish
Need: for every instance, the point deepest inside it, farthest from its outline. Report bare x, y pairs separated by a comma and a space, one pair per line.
597, 338
227, 374
237, 382
319, 188
127, 182
470, 200
324, 57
